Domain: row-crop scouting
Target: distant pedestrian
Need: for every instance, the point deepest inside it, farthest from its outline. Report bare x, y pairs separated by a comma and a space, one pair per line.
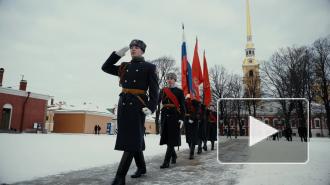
228, 132
98, 129
95, 129
288, 133
276, 137
302, 132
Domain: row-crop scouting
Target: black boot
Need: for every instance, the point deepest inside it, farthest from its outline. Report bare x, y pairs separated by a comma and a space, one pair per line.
139, 172
118, 181
205, 146
192, 151
167, 159
199, 150
174, 157
123, 167
140, 164
212, 144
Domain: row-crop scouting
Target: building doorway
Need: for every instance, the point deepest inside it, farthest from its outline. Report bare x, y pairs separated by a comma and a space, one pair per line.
6, 117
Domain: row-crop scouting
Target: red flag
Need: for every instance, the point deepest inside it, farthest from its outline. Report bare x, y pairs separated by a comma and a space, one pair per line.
206, 84
197, 77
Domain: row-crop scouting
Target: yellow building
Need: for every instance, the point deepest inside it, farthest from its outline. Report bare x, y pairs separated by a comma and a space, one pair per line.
251, 78
77, 121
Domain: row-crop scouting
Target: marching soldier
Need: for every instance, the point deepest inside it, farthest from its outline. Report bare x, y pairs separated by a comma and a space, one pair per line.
202, 125
212, 127
135, 78
172, 115
191, 124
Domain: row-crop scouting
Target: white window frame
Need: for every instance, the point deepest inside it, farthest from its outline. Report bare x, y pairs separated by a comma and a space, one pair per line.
8, 106
266, 120
317, 119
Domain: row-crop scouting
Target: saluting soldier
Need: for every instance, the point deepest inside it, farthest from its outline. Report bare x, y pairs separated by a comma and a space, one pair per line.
172, 115
212, 127
191, 123
136, 78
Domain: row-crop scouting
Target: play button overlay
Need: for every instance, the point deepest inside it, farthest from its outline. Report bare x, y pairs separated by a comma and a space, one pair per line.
259, 131
262, 131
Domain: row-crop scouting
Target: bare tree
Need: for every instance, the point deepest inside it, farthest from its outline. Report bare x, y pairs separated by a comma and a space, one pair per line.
236, 89
219, 79
290, 73
164, 66
277, 81
321, 48
309, 79
252, 90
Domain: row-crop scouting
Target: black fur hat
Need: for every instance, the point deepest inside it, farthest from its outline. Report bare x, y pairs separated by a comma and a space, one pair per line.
138, 43
171, 76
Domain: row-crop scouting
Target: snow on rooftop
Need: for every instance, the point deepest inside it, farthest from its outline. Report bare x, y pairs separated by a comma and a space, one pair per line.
84, 107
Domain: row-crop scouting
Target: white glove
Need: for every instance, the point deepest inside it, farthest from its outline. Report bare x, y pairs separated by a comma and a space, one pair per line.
122, 51
181, 123
146, 111
190, 121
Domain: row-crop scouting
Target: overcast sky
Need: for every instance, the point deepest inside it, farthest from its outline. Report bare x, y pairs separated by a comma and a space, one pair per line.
61, 45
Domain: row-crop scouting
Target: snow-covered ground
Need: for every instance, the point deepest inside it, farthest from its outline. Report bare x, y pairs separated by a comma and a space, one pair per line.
28, 156
315, 172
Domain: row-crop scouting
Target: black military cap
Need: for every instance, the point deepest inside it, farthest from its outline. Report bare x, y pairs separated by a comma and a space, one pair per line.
171, 76
138, 43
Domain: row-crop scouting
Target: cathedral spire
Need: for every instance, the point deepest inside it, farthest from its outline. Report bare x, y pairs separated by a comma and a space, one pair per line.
248, 22
249, 44
251, 78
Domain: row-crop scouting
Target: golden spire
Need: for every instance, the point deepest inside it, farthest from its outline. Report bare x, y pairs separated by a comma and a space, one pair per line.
248, 22
248, 26
251, 78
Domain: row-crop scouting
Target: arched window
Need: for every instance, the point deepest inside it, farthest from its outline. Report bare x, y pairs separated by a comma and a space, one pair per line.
5, 121
317, 122
266, 120
250, 73
232, 122
293, 123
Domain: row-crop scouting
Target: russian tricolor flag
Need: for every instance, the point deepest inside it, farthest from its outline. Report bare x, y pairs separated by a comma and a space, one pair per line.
185, 67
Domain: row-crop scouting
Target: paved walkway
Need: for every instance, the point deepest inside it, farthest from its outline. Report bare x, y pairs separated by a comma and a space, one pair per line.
204, 169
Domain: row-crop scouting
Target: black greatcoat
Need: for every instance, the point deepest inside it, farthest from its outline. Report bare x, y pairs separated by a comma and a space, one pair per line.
192, 107
170, 126
212, 126
137, 74
202, 126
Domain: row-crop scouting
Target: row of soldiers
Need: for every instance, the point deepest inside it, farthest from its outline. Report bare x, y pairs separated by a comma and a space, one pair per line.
176, 110
139, 97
